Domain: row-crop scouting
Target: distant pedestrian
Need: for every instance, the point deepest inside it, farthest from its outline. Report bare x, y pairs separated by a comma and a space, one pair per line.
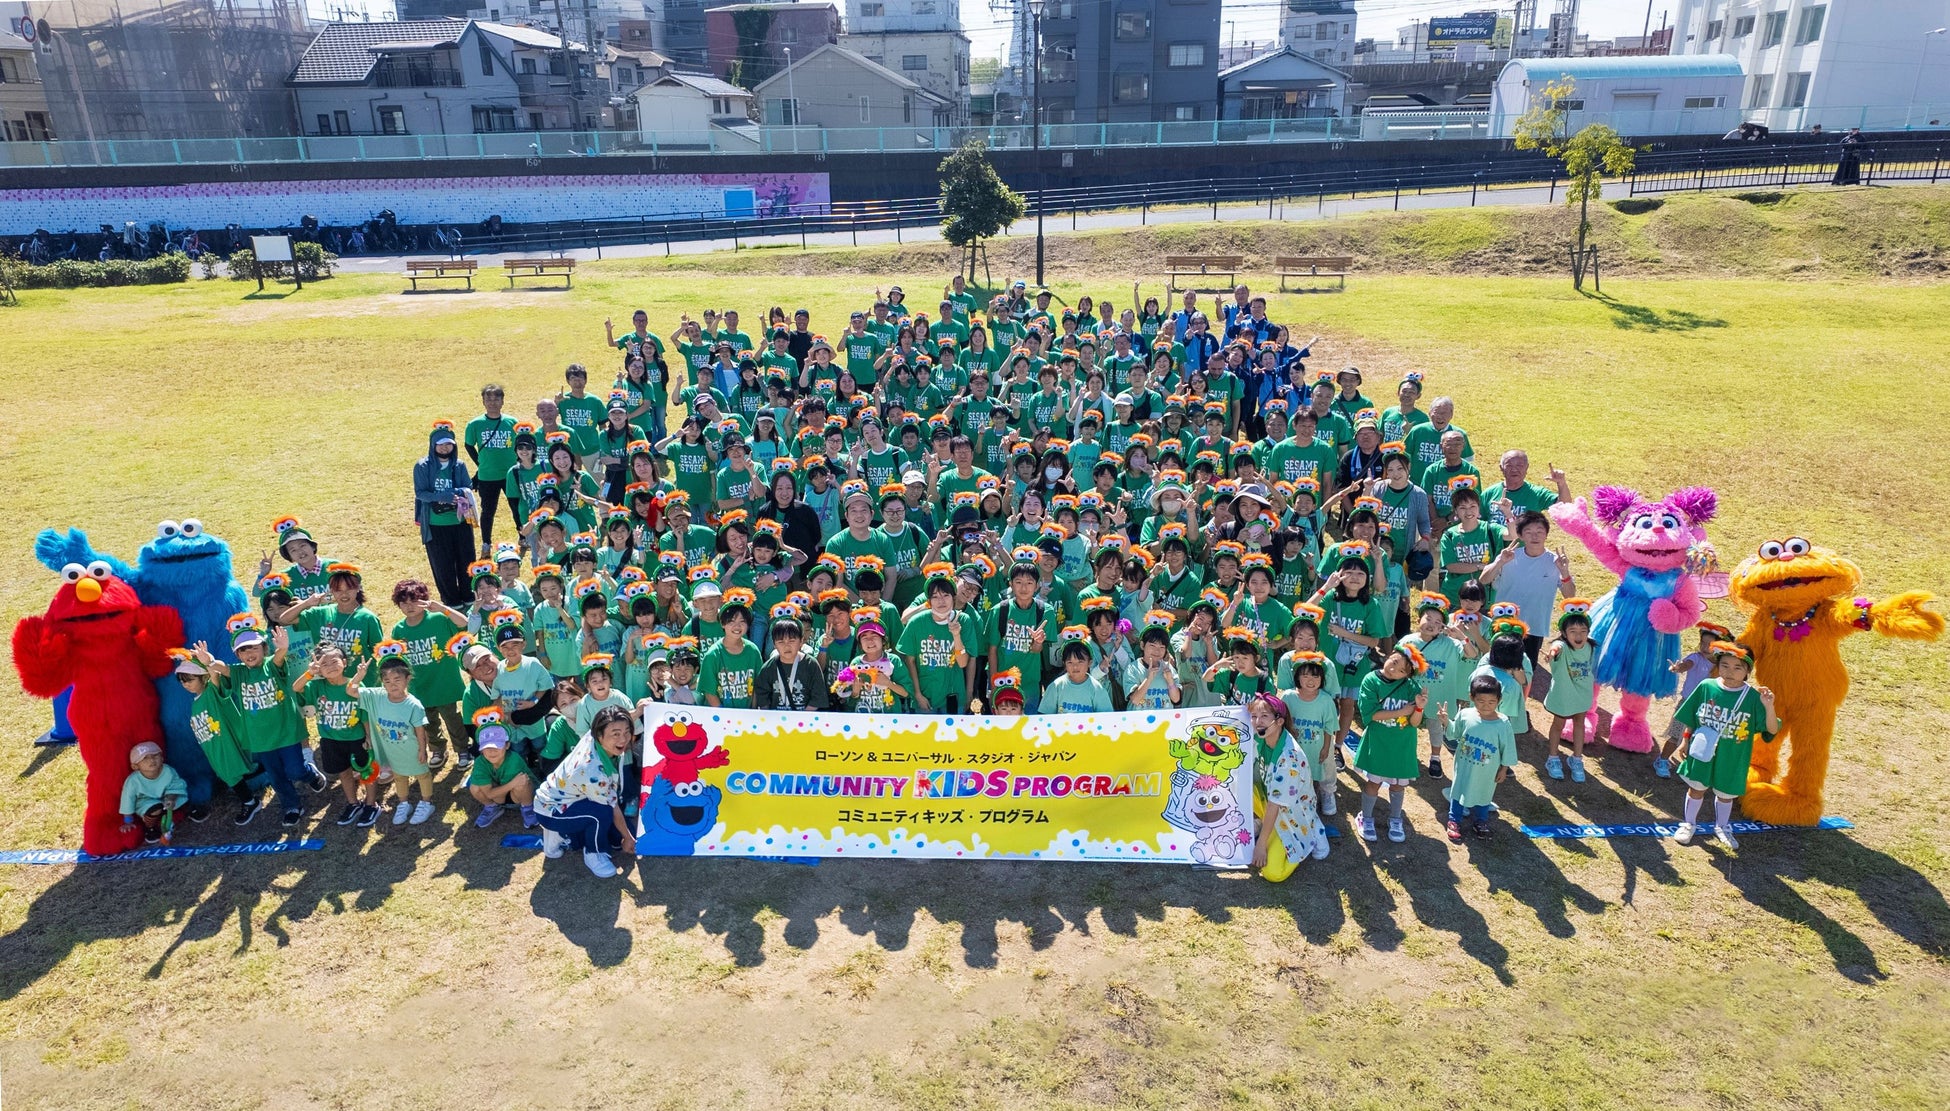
1848, 168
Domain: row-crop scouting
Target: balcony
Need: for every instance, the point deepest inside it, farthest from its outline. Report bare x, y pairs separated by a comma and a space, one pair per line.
541, 84
396, 75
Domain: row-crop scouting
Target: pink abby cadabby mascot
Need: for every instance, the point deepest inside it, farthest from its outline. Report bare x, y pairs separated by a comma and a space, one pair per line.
1648, 545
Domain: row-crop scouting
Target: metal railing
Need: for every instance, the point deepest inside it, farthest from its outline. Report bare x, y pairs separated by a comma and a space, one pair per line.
1781, 167
775, 139
393, 75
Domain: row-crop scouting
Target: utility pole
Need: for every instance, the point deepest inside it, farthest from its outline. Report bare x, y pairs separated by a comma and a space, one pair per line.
1036, 121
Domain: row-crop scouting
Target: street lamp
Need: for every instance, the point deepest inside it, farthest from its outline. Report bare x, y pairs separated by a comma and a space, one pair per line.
1036, 120
1921, 64
792, 98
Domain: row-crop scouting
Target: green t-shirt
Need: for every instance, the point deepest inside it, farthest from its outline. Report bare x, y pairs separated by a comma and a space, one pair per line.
213, 722
561, 737
337, 710
1739, 718
436, 672
1314, 723
1271, 621
1388, 750
395, 729
690, 470
737, 486
354, 633
1354, 616
493, 439
523, 683
1424, 444
1395, 424
1572, 685
730, 675
555, 638
699, 543
1527, 498
951, 483
861, 351
1435, 479
1478, 545
583, 417
1447, 677
1012, 631
851, 548
484, 773
1067, 696
266, 714
1481, 748
931, 645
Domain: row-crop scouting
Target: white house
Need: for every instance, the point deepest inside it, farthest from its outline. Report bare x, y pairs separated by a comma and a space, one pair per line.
921, 40
833, 88
1873, 64
1282, 85
1659, 95
684, 109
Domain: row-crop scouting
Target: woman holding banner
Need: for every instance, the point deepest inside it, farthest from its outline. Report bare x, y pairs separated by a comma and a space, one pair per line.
580, 804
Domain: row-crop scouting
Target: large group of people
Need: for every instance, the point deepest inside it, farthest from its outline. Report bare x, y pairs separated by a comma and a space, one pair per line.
1010, 504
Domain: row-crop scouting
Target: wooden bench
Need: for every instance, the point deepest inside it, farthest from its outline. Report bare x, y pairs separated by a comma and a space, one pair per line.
563, 268
430, 269
1313, 267
1202, 266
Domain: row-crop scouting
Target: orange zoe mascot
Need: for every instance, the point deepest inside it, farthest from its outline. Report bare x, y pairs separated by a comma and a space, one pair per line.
111, 648
1802, 602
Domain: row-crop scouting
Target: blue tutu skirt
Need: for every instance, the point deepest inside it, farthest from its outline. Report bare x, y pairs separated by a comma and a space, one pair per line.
1633, 656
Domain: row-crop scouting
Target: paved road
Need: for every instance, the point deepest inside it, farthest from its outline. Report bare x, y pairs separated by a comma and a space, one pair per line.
1298, 210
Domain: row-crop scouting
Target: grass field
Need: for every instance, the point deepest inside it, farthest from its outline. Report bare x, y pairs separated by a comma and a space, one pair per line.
430, 967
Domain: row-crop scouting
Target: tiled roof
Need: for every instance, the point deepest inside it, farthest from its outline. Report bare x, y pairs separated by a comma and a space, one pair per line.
342, 53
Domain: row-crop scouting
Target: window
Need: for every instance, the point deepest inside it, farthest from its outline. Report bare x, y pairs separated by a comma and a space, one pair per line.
392, 119
1324, 31
342, 122
39, 130
1809, 28
923, 7
1760, 88
16, 131
528, 65
1185, 112
872, 11
483, 119
785, 111
487, 60
1743, 26
1186, 54
789, 35
1715, 28
9, 70
1706, 102
721, 106
534, 121
1794, 94
907, 109
1133, 26
1128, 88
1303, 32
324, 124
866, 113
1773, 30
1324, 54
914, 62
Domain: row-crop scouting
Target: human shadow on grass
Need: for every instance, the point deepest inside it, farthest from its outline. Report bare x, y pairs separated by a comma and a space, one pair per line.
1641, 318
43, 756
1767, 867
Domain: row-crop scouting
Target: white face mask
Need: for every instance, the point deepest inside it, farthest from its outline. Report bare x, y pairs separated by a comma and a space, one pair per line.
1052, 473
1171, 505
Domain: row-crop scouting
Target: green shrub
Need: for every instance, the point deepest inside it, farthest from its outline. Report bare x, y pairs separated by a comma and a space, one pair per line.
1638, 206
313, 262
73, 273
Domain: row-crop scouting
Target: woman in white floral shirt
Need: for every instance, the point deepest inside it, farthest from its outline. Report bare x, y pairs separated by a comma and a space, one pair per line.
580, 804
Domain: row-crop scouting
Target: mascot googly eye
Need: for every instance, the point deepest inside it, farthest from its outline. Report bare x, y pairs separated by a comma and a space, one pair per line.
73, 573
680, 719
1771, 550
1796, 546
99, 570
192, 527
1669, 521
167, 529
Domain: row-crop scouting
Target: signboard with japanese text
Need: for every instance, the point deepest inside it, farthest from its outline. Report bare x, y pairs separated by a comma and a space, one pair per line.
1468, 27
1169, 787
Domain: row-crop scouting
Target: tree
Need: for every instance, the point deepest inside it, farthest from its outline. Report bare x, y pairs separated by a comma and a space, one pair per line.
975, 203
1588, 156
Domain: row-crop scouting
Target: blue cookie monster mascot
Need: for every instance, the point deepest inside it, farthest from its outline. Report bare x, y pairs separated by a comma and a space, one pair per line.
676, 816
188, 570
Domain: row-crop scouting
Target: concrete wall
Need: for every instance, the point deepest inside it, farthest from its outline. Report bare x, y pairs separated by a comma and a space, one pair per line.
529, 198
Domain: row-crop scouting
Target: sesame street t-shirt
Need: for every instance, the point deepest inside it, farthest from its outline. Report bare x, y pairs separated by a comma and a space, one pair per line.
729, 675
436, 672
337, 710
493, 439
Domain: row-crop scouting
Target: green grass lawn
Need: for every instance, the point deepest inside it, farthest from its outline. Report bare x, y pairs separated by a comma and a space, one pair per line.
431, 967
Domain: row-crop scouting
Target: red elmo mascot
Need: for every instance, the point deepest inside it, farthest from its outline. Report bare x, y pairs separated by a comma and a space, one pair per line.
111, 648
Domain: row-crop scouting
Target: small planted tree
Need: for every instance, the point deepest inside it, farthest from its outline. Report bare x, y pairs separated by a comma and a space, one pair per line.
975, 202
1596, 150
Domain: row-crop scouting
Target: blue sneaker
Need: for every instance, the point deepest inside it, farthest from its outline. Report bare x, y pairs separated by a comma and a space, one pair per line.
1662, 767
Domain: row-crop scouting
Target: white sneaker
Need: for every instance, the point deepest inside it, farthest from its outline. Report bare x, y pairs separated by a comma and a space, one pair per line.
1366, 828
402, 812
421, 812
600, 864
1395, 831
1684, 834
1724, 835
1327, 804
551, 844
1577, 769
1554, 767
1320, 850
